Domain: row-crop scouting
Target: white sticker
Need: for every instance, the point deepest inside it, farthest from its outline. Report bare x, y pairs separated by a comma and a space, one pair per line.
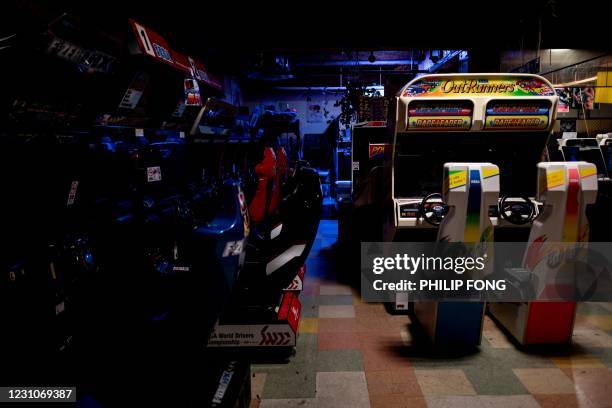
154, 174
355, 165
130, 99
233, 248
226, 377
182, 135
276, 231
139, 132
295, 285
252, 335
72, 193
142, 32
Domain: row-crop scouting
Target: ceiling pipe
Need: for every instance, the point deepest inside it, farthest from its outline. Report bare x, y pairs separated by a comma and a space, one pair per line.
320, 88
577, 82
351, 63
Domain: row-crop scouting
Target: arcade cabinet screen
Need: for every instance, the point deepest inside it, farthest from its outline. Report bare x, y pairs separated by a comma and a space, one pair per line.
217, 117
436, 115
420, 158
515, 115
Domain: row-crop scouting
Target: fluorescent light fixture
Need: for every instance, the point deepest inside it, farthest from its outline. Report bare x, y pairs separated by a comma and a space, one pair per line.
577, 82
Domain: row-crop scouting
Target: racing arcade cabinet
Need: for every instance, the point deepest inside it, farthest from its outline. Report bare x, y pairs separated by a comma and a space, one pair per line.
283, 197
470, 189
477, 133
369, 144
597, 151
48, 263
119, 187
565, 190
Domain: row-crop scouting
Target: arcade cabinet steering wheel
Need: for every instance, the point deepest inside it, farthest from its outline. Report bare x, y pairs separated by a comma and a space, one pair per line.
518, 213
433, 213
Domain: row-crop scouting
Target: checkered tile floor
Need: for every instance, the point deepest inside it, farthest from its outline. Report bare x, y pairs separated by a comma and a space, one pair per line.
353, 354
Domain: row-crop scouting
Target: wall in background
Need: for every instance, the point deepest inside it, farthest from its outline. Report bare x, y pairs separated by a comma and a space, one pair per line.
232, 91
549, 59
303, 102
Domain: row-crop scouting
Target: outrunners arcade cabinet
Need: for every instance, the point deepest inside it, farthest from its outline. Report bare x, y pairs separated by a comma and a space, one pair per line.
464, 168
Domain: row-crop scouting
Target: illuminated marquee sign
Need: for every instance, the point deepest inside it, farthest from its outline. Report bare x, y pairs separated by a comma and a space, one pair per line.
439, 123
475, 87
153, 44
538, 122
377, 150
458, 86
439, 109
518, 108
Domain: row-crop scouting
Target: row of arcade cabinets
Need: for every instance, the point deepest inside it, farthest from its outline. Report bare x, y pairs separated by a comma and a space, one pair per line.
284, 213
465, 162
596, 150
140, 233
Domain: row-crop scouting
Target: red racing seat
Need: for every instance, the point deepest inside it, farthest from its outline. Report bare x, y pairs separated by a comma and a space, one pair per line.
266, 174
282, 163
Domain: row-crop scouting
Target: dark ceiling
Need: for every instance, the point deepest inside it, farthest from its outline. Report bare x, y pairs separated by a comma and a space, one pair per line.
392, 25
233, 34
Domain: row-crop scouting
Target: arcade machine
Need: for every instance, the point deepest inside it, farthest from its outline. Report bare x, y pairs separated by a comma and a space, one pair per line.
283, 126
342, 165
49, 260
565, 189
569, 195
288, 186
214, 248
605, 144
597, 151
470, 189
584, 149
283, 198
454, 151
123, 183
180, 224
369, 144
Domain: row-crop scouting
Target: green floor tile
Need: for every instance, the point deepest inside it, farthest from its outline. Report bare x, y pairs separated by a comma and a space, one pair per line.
306, 350
303, 359
485, 356
589, 308
298, 381
310, 305
311, 311
339, 360
514, 358
435, 359
336, 300
494, 380
603, 354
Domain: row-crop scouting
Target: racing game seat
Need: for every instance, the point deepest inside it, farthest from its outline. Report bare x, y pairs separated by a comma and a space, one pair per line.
265, 190
566, 189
